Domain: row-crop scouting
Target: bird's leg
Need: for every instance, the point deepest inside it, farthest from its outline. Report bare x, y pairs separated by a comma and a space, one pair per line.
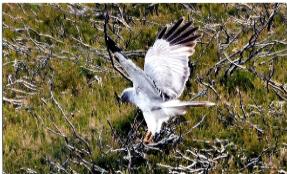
148, 137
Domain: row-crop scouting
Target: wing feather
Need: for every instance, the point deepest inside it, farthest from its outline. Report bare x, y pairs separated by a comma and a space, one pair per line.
166, 62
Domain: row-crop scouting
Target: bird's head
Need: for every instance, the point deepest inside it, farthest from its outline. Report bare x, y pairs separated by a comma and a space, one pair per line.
127, 96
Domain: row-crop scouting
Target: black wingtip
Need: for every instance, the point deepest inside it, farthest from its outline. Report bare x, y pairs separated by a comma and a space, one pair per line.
184, 35
162, 32
112, 45
180, 33
174, 28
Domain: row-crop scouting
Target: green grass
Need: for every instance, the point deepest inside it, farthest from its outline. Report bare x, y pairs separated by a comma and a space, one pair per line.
27, 142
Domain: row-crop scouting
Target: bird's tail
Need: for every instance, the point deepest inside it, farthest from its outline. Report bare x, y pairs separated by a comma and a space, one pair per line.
177, 107
178, 103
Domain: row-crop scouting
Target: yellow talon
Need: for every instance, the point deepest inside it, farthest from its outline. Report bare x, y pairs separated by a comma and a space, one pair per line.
148, 137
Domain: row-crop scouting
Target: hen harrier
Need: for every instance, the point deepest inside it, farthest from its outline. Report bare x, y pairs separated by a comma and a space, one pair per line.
156, 89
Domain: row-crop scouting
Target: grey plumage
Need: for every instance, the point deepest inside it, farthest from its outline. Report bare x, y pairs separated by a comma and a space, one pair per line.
156, 88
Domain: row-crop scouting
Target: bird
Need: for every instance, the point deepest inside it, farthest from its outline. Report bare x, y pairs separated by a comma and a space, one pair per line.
157, 87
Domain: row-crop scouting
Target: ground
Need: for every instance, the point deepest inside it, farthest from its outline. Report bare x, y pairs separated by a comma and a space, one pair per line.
60, 108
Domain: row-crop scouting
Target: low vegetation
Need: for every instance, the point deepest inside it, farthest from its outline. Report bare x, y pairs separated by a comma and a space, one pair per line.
60, 108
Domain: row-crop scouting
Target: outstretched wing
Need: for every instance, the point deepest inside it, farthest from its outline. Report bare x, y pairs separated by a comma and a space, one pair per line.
139, 78
166, 62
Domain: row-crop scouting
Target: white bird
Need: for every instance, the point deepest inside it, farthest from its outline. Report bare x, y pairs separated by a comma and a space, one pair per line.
156, 89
